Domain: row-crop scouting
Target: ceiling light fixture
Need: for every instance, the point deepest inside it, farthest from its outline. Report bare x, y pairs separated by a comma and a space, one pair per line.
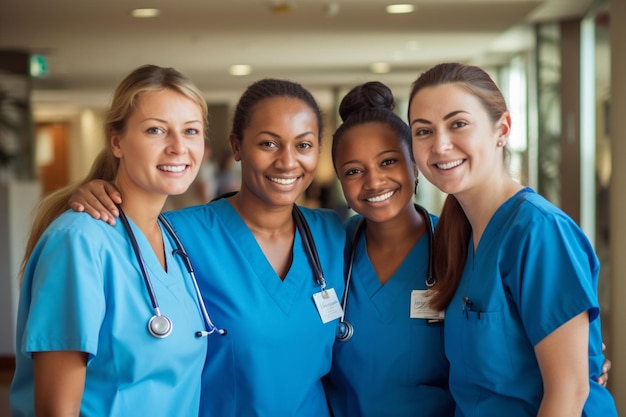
145, 13
399, 8
281, 7
240, 70
380, 67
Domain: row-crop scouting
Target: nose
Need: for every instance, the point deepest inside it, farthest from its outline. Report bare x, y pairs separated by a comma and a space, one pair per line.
374, 178
176, 144
442, 142
287, 157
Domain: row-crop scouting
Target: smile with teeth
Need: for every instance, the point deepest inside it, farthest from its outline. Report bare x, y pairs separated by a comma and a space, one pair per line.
283, 181
449, 165
172, 168
381, 197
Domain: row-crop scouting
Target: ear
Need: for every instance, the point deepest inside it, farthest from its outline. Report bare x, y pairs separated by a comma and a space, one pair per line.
115, 145
235, 145
504, 128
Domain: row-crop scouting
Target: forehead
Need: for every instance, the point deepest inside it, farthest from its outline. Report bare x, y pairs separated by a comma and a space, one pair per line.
282, 112
443, 98
368, 140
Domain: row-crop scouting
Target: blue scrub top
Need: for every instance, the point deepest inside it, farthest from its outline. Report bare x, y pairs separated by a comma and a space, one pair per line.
533, 270
393, 365
271, 361
83, 291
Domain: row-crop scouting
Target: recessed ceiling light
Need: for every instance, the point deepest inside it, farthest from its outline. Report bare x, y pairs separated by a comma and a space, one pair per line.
400, 8
380, 67
240, 69
145, 13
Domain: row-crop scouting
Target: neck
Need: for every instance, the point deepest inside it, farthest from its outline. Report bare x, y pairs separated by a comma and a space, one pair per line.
142, 207
402, 231
480, 205
263, 218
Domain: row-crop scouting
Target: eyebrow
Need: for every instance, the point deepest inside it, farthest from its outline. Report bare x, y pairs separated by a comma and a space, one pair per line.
277, 136
156, 119
378, 155
446, 117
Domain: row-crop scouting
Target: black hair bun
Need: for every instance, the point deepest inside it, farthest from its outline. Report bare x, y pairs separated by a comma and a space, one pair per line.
370, 95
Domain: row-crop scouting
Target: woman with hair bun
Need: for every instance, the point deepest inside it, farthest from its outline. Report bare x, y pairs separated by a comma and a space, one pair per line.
388, 359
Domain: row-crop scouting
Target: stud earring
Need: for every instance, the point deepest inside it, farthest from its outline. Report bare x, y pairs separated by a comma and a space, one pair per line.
499, 144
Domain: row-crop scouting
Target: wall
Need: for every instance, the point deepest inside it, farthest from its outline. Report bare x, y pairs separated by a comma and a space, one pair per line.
617, 346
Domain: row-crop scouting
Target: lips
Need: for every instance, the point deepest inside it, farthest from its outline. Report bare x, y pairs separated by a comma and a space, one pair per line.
283, 181
172, 168
381, 197
449, 165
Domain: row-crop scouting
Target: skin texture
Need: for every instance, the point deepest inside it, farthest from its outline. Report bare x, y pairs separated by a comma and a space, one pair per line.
378, 178
279, 154
460, 150
164, 133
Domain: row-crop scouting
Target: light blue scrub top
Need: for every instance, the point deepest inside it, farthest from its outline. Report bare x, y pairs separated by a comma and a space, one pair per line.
83, 291
393, 365
271, 361
533, 270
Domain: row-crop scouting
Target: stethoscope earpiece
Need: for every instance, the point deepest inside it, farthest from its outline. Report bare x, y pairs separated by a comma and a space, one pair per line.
160, 326
345, 330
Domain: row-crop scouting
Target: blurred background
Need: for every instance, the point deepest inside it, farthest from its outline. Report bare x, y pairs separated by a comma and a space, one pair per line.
60, 61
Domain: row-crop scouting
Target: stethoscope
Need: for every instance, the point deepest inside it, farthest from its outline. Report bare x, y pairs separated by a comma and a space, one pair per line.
345, 330
160, 325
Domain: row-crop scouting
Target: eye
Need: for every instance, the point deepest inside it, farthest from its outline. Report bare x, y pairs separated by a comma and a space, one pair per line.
155, 130
389, 161
352, 171
458, 124
422, 132
192, 131
268, 144
305, 145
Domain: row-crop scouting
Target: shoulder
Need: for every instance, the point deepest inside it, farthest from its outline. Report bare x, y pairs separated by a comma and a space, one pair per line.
325, 220
78, 224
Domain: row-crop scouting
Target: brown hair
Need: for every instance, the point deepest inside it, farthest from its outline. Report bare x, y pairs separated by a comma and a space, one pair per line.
144, 79
453, 230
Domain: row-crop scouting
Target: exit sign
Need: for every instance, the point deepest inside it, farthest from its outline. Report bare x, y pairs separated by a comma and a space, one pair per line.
38, 66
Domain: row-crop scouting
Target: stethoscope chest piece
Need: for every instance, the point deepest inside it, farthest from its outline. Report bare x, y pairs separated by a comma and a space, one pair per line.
160, 326
344, 332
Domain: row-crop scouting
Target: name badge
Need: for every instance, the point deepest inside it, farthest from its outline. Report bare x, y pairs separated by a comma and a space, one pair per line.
420, 309
328, 305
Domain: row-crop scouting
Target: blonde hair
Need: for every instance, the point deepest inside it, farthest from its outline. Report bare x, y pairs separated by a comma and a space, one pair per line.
144, 79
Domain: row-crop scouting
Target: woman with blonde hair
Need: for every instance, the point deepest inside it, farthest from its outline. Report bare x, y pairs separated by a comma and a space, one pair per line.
108, 318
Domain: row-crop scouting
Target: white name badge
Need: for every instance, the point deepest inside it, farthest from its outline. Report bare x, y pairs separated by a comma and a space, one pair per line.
328, 305
420, 309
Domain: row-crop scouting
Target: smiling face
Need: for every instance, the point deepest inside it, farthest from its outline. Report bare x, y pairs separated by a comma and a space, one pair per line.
279, 150
456, 145
375, 170
161, 146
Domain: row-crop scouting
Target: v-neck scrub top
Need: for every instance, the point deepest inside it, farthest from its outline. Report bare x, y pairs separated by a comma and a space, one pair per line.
393, 365
277, 349
83, 291
532, 271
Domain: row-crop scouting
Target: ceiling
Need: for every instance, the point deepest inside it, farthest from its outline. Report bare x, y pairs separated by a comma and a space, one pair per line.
90, 45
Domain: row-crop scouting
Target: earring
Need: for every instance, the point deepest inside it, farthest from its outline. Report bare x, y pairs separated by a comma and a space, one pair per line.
499, 144
417, 180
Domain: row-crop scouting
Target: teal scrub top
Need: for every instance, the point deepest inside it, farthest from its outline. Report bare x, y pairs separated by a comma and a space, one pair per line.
532, 271
83, 291
277, 349
394, 365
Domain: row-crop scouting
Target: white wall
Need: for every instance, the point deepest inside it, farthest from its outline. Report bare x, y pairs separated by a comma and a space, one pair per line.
17, 201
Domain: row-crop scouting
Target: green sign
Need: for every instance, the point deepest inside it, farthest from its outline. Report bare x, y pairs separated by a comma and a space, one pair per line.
38, 66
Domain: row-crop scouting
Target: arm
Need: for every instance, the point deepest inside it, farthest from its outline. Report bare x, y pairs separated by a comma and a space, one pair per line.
97, 198
562, 358
59, 382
